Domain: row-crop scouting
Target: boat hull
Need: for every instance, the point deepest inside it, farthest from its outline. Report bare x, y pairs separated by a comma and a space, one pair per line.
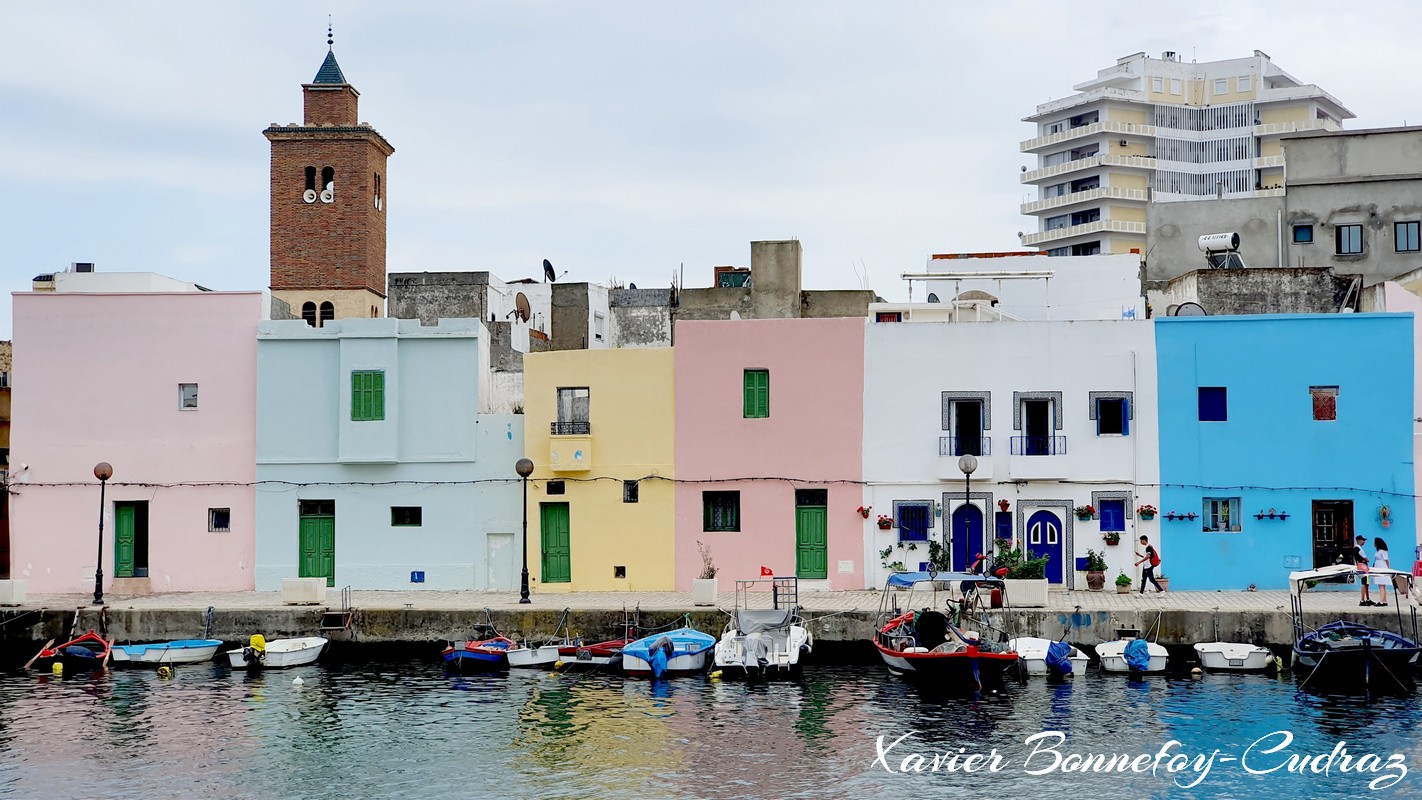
782, 658
280, 654
194, 651
1033, 654
968, 669
1351, 657
680, 664
1113, 658
688, 652
87, 652
533, 657
1231, 657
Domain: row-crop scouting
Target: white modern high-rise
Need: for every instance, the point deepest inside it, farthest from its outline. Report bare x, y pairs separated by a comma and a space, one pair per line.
1159, 130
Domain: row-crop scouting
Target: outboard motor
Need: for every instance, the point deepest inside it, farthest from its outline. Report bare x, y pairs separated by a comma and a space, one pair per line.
255, 653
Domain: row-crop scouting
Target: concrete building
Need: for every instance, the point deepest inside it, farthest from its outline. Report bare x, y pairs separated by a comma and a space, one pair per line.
162, 385
1286, 290
377, 470
769, 449
1154, 130
1281, 437
601, 433
1059, 415
1350, 201
770, 289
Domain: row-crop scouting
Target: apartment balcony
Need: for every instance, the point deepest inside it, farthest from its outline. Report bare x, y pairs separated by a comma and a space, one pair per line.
1038, 458
1137, 162
1264, 162
1174, 197
951, 448
1087, 196
570, 447
1086, 229
1104, 93
1296, 126
1110, 128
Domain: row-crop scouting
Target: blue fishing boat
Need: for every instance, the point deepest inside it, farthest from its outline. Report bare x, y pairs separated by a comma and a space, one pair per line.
182, 651
683, 651
481, 656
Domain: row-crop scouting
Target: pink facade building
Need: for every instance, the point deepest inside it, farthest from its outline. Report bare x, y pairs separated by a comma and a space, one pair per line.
163, 387
769, 421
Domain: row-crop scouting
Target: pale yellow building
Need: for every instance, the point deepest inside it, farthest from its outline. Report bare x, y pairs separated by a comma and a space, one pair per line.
1161, 130
600, 428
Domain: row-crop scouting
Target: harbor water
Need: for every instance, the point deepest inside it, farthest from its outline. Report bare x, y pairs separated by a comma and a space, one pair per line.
408, 730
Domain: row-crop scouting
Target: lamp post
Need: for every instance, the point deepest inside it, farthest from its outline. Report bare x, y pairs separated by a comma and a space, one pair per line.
524, 468
103, 472
967, 463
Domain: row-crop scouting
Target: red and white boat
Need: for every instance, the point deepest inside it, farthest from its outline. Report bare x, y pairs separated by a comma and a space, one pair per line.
926, 644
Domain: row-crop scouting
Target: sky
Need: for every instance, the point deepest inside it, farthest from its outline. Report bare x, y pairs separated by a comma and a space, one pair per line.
623, 141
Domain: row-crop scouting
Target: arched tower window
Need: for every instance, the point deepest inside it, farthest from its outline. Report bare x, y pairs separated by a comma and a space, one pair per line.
308, 313
328, 177
378, 201
311, 178
328, 312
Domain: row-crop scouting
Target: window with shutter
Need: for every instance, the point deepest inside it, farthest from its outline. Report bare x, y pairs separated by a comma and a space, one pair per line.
367, 395
756, 402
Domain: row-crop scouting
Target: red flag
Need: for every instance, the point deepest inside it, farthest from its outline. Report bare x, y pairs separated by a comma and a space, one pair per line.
765, 572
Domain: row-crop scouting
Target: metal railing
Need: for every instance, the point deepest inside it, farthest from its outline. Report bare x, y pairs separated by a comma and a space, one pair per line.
1082, 131
1085, 196
964, 446
1039, 445
570, 428
1098, 226
1089, 162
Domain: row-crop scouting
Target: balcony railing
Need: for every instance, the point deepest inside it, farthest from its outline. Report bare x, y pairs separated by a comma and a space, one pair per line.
571, 428
1038, 445
1084, 229
1090, 162
1086, 196
964, 446
1116, 128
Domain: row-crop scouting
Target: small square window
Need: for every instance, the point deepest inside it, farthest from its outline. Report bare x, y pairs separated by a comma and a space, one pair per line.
1221, 514
219, 520
721, 511
889, 316
619, 573
914, 520
1221, 85
556, 487
1325, 402
1113, 515
1112, 416
187, 396
1244, 82
1405, 235
1177, 86
1348, 240
1303, 234
406, 516
630, 491
1214, 404
1157, 84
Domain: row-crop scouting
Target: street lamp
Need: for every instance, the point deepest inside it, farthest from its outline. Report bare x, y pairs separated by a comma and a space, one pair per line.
524, 468
967, 464
103, 472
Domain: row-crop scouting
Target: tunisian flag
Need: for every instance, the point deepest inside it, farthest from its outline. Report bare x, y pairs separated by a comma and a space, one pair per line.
765, 572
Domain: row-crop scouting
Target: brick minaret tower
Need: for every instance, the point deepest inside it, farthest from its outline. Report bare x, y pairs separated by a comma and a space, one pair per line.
328, 204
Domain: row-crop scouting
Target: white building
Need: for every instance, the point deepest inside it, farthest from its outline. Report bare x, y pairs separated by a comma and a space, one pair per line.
1059, 413
1159, 129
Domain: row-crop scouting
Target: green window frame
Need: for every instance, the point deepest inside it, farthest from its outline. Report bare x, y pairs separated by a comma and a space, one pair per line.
757, 394
367, 395
721, 511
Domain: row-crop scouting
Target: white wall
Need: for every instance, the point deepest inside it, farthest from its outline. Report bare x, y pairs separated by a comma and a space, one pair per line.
119, 282
1081, 287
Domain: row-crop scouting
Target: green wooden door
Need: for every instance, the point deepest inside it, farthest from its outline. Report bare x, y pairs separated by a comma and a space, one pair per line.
123, 539
557, 554
317, 544
811, 543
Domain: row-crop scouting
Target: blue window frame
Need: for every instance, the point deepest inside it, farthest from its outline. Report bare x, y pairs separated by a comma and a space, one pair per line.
1002, 521
1303, 234
914, 521
1113, 416
1113, 515
1214, 404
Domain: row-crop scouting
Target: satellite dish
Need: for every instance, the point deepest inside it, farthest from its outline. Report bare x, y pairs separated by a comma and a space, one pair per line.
549, 275
631, 286
735, 314
521, 307
1190, 310
932, 297
1172, 309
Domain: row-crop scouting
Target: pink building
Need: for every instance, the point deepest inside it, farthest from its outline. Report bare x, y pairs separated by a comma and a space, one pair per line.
162, 386
769, 421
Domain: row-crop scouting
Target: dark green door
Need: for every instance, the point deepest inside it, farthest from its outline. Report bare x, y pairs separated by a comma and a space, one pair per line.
811, 544
557, 554
316, 557
123, 539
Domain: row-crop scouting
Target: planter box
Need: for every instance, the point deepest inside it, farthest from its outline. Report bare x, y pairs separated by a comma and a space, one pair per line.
303, 591
703, 591
1123, 589
1026, 593
12, 593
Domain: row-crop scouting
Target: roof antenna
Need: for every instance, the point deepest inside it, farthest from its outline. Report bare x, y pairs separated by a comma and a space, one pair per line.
330, 34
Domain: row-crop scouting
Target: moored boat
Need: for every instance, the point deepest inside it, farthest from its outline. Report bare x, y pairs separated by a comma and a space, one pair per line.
483, 655
763, 643
1038, 657
86, 652
181, 651
579, 657
277, 653
1132, 655
1354, 656
927, 644
677, 652
542, 656
1234, 657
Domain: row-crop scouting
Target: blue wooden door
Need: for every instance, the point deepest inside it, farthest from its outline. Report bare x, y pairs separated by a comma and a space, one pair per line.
967, 536
1044, 537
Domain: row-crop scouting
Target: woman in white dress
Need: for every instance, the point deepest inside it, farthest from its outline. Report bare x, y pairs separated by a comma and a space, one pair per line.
1380, 561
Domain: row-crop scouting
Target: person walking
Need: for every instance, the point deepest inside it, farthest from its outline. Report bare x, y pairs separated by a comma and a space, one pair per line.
1360, 561
1151, 559
1380, 561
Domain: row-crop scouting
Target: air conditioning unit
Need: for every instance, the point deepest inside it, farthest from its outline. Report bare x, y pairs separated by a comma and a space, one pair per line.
82, 266
1124, 143
308, 196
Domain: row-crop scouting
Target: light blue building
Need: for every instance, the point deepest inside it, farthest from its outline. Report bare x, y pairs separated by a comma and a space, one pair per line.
375, 468
1282, 437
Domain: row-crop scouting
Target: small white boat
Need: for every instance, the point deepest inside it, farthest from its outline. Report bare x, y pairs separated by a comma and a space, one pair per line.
262, 654
1113, 656
763, 643
182, 651
524, 657
1234, 657
1032, 652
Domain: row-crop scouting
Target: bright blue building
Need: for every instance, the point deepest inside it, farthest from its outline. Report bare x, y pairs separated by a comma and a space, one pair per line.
1281, 437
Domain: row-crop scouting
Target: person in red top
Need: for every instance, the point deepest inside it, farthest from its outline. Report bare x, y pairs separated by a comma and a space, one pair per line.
1151, 559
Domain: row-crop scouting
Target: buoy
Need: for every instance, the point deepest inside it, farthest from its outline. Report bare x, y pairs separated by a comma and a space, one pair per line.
57, 668
557, 664
715, 676
1196, 672
297, 682
165, 672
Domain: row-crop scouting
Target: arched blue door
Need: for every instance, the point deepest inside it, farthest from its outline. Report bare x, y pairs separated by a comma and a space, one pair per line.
1044, 537
967, 536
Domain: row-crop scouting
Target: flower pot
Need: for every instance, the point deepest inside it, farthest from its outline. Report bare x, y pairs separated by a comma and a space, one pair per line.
1123, 589
1112, 540
884, 526
1147, 515
703, 592
1164, 584
1083, 517
1095, 581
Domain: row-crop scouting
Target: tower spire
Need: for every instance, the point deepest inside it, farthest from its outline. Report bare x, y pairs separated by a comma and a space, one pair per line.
330, 34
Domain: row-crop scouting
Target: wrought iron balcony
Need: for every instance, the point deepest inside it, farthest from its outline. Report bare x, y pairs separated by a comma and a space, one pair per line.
1038, 445
570, 428
964, 446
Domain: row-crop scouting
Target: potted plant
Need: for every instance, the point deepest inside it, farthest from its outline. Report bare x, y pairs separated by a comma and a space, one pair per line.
1164, 582
1002, 504
885, 522
1085, 512
1026, 578
1112, 537
1147, 511
703, 588
1385, 516
1095, 570
864, 511
1123, 582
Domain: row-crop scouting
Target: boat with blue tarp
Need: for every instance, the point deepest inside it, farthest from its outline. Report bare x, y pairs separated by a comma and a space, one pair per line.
684, 651
85, 652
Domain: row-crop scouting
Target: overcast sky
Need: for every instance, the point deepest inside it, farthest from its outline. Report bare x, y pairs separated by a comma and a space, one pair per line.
618, 139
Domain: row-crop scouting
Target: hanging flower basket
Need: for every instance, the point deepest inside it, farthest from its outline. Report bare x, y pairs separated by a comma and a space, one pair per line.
1113, 537
1147, 511
864, 511
1085, 512
885, 522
